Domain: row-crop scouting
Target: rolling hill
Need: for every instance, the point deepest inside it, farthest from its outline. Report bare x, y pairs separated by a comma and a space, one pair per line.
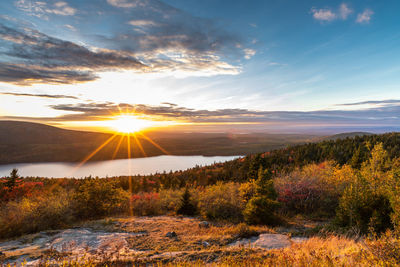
22, 142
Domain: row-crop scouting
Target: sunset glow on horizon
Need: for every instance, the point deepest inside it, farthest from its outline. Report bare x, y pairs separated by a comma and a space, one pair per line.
267, 65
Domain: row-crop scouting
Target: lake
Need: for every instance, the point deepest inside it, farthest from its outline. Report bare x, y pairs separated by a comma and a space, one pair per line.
141, 166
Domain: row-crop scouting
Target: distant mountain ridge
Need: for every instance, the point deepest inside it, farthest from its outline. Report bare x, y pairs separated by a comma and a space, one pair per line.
22, 142
20, 132
346, 135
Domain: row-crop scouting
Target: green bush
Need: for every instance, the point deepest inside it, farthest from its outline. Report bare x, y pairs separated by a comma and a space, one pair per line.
170, 200
242, 230
366, 210
96, 198
368, 203
221, 202
261, 210
30, 215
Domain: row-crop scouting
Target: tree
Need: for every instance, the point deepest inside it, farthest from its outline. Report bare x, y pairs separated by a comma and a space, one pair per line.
265, 184
261, 208
186, 207
368, 202
12, 180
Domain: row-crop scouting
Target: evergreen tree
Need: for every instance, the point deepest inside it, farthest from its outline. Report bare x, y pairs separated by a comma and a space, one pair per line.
186, 207
261, 209
12, 179
356, 159
265, 184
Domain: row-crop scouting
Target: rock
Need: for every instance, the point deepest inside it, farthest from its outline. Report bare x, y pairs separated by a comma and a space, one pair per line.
205, 244
171, 234
265, 241
204, 224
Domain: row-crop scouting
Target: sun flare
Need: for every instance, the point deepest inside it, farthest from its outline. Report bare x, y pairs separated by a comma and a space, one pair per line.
129, 124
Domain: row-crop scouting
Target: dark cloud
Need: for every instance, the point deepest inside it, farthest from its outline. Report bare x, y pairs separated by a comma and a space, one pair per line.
144, 36
161, 26
373, 116
39, 95
23, 74
374, 102
381, 119
169, 104
170, 39
39, 58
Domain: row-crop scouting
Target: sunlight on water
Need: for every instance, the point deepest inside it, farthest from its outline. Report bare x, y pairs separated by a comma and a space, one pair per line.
119, 167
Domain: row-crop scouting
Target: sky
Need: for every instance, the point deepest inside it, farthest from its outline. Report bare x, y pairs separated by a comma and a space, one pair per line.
274, 66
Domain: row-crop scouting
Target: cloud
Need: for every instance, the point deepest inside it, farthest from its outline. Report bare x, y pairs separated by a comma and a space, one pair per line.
327, 14
249, 53
151, 37
39, 95
163, 35
39, 58
374, 102
365, 16
97, 111
382, 118
41, 8
70, 27
23, 74
124, 3
344, 11
323, 14
142, 23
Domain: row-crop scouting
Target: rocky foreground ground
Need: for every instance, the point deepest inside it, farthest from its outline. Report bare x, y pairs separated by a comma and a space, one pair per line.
145, 240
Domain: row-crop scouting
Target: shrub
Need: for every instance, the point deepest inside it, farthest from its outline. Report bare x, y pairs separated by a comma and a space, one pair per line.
247, 190
316, 188
366, 210
394, 196
145, 204
368, 203
30, 215
221, 202
261, 210
96, 198
170, 200
243, 230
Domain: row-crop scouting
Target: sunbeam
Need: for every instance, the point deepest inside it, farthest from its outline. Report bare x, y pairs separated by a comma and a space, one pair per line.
129, 171
139, 145
118, 146
95, 152
154, 143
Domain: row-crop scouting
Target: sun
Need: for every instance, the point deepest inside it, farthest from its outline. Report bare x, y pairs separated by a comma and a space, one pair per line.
129, 124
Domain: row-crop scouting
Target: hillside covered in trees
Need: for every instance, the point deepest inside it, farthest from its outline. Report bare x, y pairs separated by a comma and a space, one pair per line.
352, 185
52, 144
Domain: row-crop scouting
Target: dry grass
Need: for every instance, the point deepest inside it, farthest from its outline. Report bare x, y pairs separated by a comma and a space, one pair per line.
155, 249
189, 235
331, 251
